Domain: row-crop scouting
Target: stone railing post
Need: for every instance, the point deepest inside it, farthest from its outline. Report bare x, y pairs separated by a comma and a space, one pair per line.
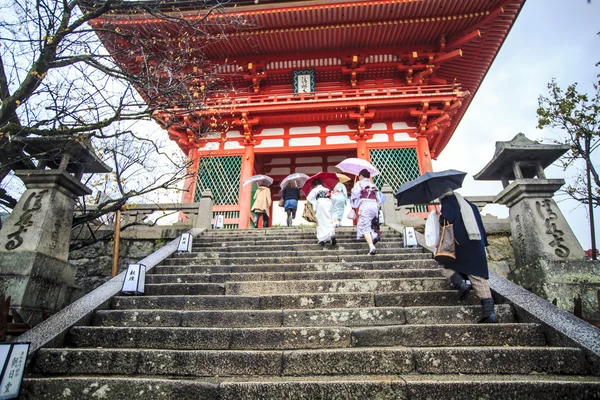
389, 209
205, 210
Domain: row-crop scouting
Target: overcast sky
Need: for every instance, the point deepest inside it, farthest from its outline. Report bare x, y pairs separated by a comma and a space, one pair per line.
550, 39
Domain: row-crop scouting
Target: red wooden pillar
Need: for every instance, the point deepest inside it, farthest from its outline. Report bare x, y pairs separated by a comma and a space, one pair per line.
361, 149
246, 192
189, 185
423, 154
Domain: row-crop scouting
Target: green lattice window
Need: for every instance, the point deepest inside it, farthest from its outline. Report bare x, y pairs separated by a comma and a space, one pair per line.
222, 176
397, 166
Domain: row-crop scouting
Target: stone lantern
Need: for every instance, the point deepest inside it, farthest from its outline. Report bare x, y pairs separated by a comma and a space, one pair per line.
548, 258
34, 242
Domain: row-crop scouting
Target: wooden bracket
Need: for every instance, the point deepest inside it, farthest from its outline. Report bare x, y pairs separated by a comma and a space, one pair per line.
255, 76
353, 71
361, 116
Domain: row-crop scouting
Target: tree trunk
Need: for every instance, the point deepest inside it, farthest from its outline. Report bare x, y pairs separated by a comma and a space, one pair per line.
590, 203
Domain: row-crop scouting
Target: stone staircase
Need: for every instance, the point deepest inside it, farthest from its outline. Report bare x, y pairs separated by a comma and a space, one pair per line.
270, 314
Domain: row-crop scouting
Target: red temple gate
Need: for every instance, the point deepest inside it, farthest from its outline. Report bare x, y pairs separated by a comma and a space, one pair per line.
313, 82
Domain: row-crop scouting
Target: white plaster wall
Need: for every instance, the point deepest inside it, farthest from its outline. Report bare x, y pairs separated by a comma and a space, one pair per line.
308, 141
300, 130
270, 143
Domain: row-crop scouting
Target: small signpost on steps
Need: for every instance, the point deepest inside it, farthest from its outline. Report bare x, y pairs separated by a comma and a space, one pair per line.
185, 243
410, 237
135, 279
12, 361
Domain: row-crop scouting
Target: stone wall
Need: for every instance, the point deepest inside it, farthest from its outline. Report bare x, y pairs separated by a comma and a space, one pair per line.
501, 259
94, 263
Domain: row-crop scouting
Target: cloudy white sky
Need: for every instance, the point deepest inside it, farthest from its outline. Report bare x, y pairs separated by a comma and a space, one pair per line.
550, 39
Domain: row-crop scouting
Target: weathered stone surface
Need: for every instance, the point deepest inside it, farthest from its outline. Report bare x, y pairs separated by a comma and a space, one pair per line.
185, 289
502, 387
428, 298
209, 319
187, 302
337, 286
337, 389
344, 317
158, 362
501, 360
348, 361
453, 335
116, 389
311, 301
454, 314
210, 338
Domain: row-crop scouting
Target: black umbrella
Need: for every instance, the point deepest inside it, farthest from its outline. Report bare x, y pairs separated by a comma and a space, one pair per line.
429, 187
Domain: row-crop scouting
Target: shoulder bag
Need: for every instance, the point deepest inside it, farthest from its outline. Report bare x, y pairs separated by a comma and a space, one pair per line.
446, 250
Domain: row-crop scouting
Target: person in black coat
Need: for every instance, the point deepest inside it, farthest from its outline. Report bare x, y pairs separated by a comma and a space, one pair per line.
471, 257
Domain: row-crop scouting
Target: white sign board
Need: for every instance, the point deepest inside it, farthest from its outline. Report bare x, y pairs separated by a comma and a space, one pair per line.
185, 243
135, 279
13, 358
410, 237
304, 81
219, 222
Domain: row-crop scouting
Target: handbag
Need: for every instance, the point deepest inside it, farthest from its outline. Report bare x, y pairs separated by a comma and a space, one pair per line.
351, 214
281, 202
432, 230
309, 213
446, 249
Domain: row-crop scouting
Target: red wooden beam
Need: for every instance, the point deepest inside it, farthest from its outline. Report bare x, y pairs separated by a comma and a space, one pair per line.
464, 39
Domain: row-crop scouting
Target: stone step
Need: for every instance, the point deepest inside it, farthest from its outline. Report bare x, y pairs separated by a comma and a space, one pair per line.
423, 298
344, 235
293, 246
380, 387
351, 361
307, 258
300, 337
184, 289
373, 316
292, 251
233, 243
270, 302
292, 276
336, 286
372, 264
294, 301
349, 231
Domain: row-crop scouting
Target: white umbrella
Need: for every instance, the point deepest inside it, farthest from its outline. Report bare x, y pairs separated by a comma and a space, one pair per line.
296, 180
265, 180
355, 165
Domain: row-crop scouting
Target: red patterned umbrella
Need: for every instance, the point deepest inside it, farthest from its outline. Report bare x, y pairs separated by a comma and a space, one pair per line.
328, 179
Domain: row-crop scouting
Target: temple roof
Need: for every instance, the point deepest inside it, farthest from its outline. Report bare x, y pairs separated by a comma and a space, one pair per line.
301, 29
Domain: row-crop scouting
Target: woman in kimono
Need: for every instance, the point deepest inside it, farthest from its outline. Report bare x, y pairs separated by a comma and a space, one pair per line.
366, 197
471, 258
320, 198
339, 196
